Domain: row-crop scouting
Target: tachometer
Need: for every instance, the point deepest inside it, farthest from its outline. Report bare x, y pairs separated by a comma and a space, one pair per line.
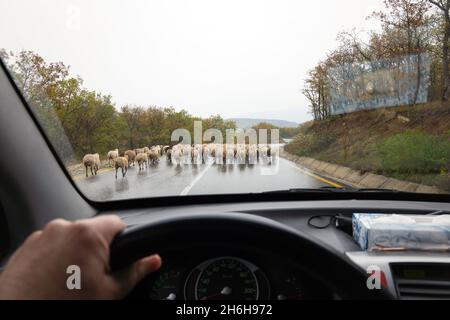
227, 279
167, 286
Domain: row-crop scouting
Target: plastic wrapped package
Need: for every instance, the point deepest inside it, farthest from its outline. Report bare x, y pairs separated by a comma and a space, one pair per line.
391, 232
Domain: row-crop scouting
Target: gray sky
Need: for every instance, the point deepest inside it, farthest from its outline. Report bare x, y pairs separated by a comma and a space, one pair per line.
236, 58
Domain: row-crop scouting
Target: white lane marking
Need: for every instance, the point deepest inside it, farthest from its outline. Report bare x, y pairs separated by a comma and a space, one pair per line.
186, 190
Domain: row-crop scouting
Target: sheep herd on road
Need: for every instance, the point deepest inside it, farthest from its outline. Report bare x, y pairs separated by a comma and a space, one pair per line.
181, 154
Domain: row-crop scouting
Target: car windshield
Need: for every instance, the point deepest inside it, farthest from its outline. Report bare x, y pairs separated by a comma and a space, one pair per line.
150, 98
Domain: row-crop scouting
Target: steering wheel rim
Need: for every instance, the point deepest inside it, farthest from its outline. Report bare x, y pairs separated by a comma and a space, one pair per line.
345, 277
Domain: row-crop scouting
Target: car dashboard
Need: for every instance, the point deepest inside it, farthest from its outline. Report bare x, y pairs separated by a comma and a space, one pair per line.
240, 273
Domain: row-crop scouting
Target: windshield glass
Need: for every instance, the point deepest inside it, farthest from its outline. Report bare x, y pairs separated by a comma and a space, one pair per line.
173, 98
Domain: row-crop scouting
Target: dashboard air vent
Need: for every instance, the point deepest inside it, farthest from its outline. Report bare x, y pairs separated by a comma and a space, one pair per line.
422, 281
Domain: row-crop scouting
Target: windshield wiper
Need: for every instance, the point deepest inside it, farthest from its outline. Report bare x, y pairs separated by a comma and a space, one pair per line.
335, 190
309, 190
379, 190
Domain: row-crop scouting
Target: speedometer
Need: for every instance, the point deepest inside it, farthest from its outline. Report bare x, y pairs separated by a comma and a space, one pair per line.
227, 279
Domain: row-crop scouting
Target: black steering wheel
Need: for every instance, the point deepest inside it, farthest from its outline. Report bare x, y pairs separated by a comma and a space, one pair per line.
335, 270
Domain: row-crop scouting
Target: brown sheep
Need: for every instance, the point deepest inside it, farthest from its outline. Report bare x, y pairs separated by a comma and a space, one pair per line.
152, 156
131, 157
121, 162
142, 159
91, 161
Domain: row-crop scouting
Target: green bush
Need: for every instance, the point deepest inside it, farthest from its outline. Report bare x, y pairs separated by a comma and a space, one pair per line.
415, 152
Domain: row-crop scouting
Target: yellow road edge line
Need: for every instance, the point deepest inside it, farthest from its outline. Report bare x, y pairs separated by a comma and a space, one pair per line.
331, 183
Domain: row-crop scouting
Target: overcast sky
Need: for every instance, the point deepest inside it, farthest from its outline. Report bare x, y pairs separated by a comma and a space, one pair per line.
236, 58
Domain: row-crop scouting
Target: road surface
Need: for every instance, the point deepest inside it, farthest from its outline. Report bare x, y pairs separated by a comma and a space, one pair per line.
165, 179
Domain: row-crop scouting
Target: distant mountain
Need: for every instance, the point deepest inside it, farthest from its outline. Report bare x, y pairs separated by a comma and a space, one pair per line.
245, 123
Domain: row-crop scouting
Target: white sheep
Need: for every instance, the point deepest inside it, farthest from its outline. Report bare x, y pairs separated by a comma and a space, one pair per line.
187, 154
263, 151
197, 152
156, 149
206, 154
161, 150
177, 154
241, 154
252, 154
111, 156
220, 154
230, 153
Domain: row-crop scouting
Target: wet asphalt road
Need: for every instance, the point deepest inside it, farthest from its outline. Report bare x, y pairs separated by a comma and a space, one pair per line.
165, 179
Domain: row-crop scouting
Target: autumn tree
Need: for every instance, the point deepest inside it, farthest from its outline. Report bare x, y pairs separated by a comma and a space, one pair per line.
407, 17
133, 118
444, 7
403, 23
317, 93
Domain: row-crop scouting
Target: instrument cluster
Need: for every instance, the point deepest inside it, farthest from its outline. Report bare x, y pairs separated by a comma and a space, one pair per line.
230, 277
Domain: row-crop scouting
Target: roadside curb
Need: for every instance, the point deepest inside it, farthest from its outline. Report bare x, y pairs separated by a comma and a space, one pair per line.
355, 178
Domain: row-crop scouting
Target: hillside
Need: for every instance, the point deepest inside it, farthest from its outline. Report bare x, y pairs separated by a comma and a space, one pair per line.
409, 143
246, 123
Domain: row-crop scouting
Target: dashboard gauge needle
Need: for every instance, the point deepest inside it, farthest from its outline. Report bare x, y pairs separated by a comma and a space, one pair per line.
171, 296
226, 291
292, 297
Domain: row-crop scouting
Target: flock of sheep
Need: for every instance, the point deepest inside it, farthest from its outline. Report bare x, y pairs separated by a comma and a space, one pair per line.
181, 154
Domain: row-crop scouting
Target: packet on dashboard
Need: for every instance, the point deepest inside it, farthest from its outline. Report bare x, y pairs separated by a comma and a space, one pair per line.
392, 232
